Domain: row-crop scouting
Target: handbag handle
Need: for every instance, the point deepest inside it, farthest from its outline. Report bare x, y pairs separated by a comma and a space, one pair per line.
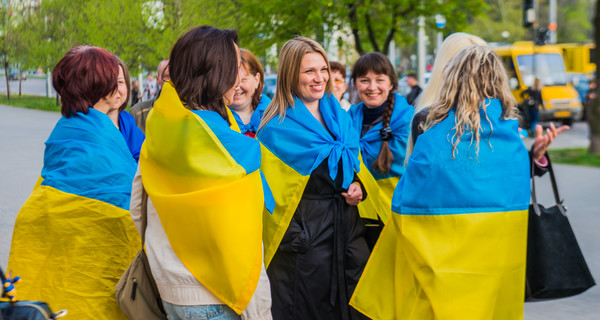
144, 216
536, 207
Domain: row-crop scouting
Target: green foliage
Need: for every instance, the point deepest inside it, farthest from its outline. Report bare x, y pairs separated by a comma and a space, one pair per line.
575, 156
31, 102
500, 16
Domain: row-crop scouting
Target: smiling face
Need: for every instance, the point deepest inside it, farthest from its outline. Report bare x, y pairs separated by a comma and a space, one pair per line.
115, 99
314, 75
339, 84
228, 96
246, 89
373, 89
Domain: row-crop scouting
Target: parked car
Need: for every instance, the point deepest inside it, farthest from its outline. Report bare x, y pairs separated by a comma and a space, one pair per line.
270, 85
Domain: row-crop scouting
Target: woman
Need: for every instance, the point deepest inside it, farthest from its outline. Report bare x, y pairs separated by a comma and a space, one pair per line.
315, 245
444, 256
73, 238
249, 103
533, 102
134, 137
383, 120
204, 250
135, 92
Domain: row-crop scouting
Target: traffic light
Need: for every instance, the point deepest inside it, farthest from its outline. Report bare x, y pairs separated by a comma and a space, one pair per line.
528, 13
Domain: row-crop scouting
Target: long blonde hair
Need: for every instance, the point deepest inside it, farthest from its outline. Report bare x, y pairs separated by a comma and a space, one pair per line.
475, 74
288, 78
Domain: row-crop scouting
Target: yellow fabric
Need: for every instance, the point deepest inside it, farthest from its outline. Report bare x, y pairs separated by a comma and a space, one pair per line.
379, 199
287, 186
70, 252
209, 207
467, 266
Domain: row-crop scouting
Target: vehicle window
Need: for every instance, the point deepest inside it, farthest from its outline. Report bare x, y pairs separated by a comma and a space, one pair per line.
549, 68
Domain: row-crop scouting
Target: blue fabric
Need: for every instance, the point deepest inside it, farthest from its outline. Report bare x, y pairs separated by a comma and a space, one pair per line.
86, 155
370, 142
302, 142
252, 126
243, 149
134, 137
208, 311
496, 180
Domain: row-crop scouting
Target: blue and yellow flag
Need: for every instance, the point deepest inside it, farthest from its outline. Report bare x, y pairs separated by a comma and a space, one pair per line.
252, 126
73, 237
456, 247
204, 181
370, 145
296, 145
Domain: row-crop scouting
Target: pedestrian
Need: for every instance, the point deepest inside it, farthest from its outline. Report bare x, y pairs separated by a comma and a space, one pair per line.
338, 74
590, 99
383, 120
415, 89
150, 89
533, 101
315, 248
206, 194
249, 103
74, 238
140, 110
444, 256
136, 95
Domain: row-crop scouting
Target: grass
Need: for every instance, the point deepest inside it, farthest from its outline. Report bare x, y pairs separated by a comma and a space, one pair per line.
575, 156
30, 102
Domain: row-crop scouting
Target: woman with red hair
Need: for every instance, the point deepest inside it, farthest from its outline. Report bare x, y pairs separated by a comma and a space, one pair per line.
73, 237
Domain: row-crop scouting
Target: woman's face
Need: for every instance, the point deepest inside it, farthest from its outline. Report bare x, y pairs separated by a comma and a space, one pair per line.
228, 96
314, 75
246, 88
114, 100
373, 89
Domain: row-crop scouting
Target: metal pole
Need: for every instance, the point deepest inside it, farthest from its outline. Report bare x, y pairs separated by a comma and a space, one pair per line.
552, 21
421, 52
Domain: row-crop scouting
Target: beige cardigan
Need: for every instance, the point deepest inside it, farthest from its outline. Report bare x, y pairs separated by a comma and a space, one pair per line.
175, 283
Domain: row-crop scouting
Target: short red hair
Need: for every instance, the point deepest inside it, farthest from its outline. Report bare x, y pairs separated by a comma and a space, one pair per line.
83, 76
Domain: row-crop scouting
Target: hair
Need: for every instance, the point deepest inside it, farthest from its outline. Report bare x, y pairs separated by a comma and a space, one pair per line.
411, 75
379, 64
290, 59
252, 65
127, 82
83, 76
475, 74
450, 47
537, 84
336, 66
203, 67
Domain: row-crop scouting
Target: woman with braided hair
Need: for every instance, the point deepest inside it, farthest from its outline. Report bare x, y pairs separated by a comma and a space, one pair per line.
383, 120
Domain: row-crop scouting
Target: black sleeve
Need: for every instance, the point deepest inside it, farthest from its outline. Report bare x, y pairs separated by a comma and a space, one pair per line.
418, 120
362, 187
537, 170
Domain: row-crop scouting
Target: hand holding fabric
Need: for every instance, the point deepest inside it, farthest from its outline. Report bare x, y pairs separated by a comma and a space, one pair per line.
353, 195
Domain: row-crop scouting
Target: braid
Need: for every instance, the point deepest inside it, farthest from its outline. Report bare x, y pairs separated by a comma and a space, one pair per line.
384, 160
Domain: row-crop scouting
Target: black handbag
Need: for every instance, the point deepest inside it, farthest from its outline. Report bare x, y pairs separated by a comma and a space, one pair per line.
556, 267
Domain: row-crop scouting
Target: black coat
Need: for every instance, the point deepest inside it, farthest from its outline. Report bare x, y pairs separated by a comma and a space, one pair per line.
321, 256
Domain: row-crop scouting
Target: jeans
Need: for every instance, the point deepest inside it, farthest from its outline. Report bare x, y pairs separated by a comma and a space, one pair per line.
203, 312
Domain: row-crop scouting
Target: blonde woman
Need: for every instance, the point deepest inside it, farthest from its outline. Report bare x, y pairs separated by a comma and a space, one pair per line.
315, 248
456, 246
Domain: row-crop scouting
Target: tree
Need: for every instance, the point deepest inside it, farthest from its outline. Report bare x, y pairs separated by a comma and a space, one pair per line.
500, 16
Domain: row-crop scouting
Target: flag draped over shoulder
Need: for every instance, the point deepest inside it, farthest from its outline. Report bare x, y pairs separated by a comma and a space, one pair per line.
370, 146
73, 237
204, 181
456, 246
252, 126
296, 145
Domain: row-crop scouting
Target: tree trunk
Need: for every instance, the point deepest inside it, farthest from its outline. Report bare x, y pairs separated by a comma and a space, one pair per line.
594, 106
20, 80
7, 79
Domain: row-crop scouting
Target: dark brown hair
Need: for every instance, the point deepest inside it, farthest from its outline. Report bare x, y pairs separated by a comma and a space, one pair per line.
83, 76
252, 65
379, 64
203, 67
336, 66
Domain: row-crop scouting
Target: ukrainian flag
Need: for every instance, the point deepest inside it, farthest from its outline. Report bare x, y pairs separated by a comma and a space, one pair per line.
204, 181
370, 145
74, 237
456, 246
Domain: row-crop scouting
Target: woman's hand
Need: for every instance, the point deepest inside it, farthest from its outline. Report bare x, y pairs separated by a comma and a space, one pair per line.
541, 143
354, 194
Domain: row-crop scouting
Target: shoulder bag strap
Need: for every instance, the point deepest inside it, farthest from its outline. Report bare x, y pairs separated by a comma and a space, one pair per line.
557, 199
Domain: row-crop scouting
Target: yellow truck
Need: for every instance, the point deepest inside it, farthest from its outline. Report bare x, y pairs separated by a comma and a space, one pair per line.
524, 62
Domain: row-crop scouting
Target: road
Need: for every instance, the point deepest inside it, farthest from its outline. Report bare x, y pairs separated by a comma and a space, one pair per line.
23, 132
31, 86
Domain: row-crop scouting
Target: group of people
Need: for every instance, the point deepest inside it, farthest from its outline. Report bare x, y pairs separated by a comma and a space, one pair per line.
286, 209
